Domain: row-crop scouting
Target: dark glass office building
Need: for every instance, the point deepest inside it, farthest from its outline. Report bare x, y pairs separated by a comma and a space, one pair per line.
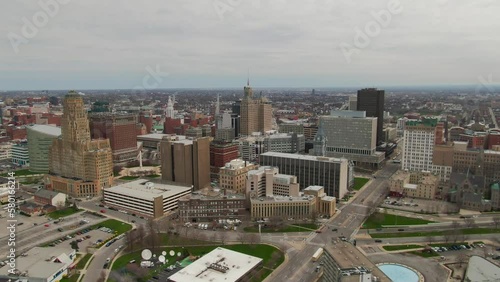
371, 100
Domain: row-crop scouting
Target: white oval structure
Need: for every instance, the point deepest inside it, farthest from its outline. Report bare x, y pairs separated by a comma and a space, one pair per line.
146, 254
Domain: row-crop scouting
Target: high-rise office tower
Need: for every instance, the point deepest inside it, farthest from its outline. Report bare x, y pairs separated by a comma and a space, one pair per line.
120, 129
420, 138
371, 100
78, 166
186, 161
256, 113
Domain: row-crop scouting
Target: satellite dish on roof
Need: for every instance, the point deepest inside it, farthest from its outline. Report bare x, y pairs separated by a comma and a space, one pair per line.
179, 254
146, 254
163, 253
171, 253
161, 259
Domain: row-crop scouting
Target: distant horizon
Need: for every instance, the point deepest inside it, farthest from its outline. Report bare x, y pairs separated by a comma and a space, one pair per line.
348, 87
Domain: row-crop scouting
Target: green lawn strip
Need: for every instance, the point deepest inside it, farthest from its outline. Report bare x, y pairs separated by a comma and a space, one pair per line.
309, 226
425, 254
83, 261
153, 176
129, 177
118, 226
64, 212
377, 220
73, 278
22, 172
285, 228
401, 247
469, 231
265, 252
359, 182
478, 242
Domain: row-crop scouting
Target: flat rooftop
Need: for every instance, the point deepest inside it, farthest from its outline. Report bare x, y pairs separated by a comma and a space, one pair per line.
139, 189
46, 129
218, 265
348, 257
36, 264
304, 157
215, 194
305, 198
159, 136
480, 269
314, 188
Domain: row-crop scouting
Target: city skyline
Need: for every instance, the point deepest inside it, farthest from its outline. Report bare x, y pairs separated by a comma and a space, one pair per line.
206, 44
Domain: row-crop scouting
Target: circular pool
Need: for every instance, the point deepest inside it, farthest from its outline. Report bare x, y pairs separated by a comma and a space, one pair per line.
399, 272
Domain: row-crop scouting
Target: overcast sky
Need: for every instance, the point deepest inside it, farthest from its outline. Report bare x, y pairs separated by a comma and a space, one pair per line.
95, 44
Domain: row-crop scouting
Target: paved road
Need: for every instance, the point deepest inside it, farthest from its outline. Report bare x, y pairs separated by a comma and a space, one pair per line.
95, 268
347, 222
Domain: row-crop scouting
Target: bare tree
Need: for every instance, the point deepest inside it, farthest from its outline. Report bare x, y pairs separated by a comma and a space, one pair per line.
130, 240
242, 237
223, 237
496, 221
254, 239
448, 234
275, 221
102, 277
469, 222
430, 239
214, 237
461, 259
140, 232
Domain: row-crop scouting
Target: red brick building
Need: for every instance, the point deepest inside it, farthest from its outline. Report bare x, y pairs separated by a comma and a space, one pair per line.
220, 154
120, 129
146, 118
16, 132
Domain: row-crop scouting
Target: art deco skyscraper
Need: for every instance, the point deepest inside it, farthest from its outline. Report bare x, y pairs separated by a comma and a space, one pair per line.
255, 113
78, 166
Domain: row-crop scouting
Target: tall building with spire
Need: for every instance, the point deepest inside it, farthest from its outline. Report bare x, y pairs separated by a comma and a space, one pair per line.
169, 112
78, 166
255, 113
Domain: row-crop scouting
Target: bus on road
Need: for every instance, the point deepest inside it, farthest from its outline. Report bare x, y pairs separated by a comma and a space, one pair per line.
317, 254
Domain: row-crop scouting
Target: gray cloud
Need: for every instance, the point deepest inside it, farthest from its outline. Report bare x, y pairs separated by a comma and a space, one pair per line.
107, 44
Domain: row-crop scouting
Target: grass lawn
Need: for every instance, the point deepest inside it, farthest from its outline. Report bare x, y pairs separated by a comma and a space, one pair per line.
118, 226
153, 176
129, 177
401, 247
73, 278
468, 231
271, 257
359, 182
63, 212
284, 228
425, 254
377, 220
83, 261
22, 172
311, 226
